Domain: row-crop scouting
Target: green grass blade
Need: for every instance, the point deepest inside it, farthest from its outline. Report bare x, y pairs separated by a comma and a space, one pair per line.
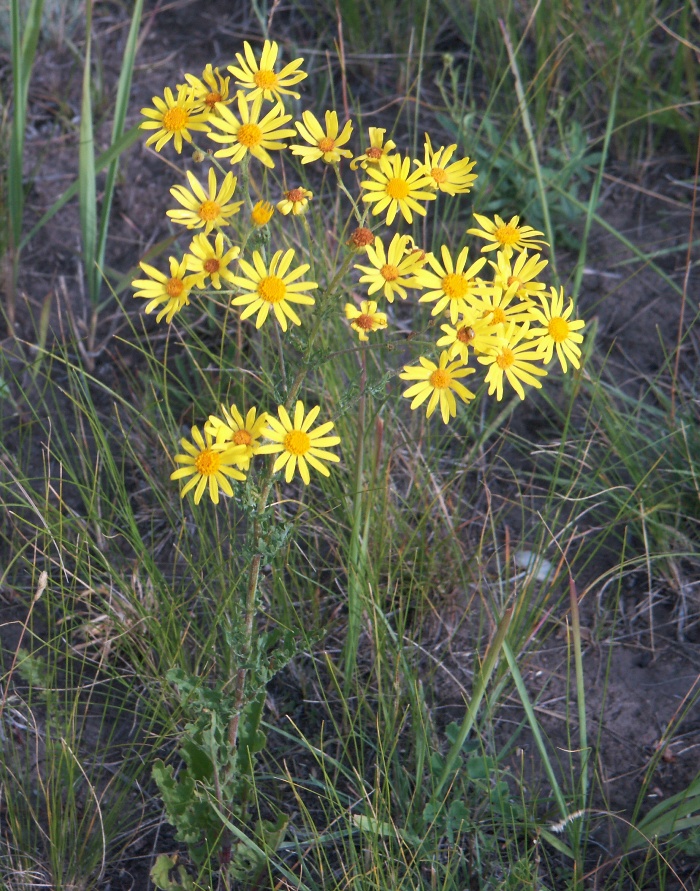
86, 172
120, 109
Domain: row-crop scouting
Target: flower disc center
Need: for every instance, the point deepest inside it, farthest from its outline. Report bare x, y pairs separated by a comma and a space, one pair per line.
249, 135
211, 265
211, 99
207, 462
373, 153
465, 334
326, 144
438, 174
265, 79
499, 317
364, 321
175, 119
440, 379
455, 285
507, 234
389, 273
505, 358
174, 287
295, 195
397, 189
558, 329
242, 437
272, 289
208, 211
297, 442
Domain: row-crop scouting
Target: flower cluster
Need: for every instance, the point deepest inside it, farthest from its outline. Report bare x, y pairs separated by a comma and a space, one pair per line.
493, 306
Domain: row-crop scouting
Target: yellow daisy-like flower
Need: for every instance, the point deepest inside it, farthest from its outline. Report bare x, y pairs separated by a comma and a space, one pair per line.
260, 79
472, 330
453, 179
209, 463
173, 290
393, 187
506, 237
558, 332
514, 357
366, 318
251, 133
211, 90
298, 443
273, 288
208, 209
295, 201
173, 117
439, 382
323, 144
451, 284
502, 307
520, 277
262, 213
391, 271
377, 149
211, 261
239, 431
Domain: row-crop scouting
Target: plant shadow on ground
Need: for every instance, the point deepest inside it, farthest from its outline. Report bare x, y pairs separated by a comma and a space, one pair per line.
639, 603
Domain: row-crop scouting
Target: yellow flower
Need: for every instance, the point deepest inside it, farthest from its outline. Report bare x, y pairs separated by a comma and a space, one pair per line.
173, 290
558, 332
295, 201
323, 144
262, 213
211, 90
251, 133
238, 431
261, 79
272, 288
395, 188
506, 237
472, 330
208, 209
452, 285
209, 463
211, 262
439, 382
173, 117
377, 149
366, 318
393, 271
514, 357
519, 277
298, 443
453, 179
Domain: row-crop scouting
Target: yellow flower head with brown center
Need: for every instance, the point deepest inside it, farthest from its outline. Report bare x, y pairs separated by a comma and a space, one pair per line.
260, 78
200, 208
516, 359
506, 237
325, 144
173, 117
452, 285
366, 318
299, 444
437, 383
377, 150
295, 201
518, 275
172, 292
453, 179
391, 271
394, 188
272, 288
211, 90
239, 431
250, 132
211, 261
209, 463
